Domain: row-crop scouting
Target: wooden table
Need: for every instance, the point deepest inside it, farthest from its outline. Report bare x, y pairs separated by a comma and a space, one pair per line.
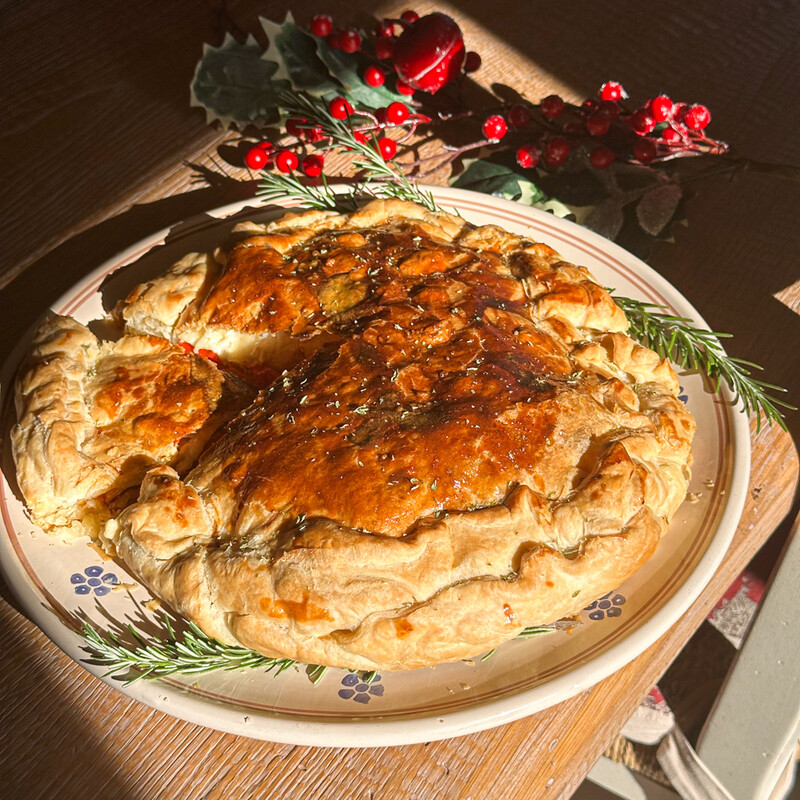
96, 130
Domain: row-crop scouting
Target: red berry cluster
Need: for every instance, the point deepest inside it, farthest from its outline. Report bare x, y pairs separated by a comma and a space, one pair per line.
603, 128
292, 153
419, 53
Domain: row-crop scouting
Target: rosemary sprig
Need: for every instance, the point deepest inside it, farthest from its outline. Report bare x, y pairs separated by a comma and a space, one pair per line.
190, 654
386, 178
277, 185
677, 339
194, 653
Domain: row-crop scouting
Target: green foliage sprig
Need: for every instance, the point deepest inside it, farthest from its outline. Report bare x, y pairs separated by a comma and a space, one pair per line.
194, 653
683, 343
385, 178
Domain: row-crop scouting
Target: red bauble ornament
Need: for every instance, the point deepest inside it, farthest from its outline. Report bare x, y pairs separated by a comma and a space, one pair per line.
429, 53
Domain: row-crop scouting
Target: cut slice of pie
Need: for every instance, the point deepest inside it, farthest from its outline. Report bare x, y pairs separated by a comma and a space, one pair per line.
93, 417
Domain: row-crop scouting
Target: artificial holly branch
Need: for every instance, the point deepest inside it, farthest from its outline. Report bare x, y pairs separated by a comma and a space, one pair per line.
374, 98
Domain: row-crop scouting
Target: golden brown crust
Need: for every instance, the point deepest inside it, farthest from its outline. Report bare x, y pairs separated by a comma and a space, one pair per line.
93, 417
473, 447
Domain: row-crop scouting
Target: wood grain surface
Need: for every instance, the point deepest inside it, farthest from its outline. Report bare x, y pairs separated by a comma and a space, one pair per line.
95, 135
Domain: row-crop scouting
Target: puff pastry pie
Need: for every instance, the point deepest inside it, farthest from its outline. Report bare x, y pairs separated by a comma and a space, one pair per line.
93, 417
464, 442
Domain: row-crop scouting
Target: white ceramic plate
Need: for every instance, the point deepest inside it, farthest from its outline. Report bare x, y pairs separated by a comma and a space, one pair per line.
55, 580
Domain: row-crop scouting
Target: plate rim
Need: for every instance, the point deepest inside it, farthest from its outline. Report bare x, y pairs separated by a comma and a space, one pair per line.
166, 696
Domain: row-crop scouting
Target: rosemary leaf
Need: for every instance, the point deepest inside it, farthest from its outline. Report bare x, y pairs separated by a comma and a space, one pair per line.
387, 178
193, 653
690, 347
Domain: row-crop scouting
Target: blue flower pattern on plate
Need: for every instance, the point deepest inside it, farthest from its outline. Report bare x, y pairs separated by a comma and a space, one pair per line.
92, 579
682, 396
355, 688
607, 606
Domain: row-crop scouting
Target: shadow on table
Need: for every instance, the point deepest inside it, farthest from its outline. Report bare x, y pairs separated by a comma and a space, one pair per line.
71, 759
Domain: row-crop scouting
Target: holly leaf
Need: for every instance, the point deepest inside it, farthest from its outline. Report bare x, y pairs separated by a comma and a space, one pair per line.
296, 53
235, 85
657, 207
499, 180
606, 218
346, 68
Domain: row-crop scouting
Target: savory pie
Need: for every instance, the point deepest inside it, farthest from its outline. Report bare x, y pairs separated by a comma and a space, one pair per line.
93, 417
464, 442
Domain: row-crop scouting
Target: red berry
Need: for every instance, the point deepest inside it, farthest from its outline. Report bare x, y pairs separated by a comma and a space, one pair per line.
265, 145
397, 113
527, 156
609, 109
256, 158
642, 122
588, 105
661, 108
321, 25
429, 53
697, 117
294, 126
519, 116
409, 16
286, 161
387, 147
552, 106
597, 124
494, 127
360, 137
385, 28
403, 88
335, 39
644, 150
312, 166
374, 76
670, 135
384, 48
340, 108
472, 62
601, 157
611, 90
350, 41
556, 151
679, 112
